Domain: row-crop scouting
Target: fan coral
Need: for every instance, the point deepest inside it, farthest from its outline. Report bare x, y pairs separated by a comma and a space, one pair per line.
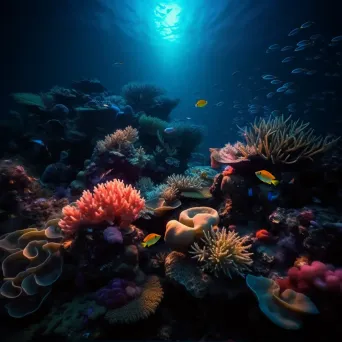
140, 308
223, 252
112, 201
184, 183
120, 140
283, 140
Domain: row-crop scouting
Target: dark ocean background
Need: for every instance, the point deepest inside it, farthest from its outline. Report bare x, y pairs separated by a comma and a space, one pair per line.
49, 42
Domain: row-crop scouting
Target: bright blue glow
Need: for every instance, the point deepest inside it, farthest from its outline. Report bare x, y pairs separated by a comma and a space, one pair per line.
167, 20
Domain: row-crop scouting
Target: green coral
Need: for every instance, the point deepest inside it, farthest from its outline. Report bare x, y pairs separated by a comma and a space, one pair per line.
150, 125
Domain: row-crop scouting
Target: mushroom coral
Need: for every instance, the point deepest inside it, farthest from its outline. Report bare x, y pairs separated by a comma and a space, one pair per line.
192, 223
34, 263
282, 309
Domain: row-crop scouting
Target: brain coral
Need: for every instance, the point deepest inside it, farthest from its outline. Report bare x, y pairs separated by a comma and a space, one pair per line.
140, 308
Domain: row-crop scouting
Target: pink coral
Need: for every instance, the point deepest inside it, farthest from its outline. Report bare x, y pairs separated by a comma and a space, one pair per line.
317, 275
111, 201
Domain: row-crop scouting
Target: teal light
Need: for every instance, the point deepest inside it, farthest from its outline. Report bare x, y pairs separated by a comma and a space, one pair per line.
166, 19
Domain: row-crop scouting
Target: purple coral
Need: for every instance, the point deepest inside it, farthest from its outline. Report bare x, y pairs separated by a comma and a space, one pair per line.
113, 235
117, 293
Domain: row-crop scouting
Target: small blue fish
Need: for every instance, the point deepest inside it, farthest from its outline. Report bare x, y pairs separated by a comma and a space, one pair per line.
38, 141
270, 95
169, 130
311, 72
281, 89
304, 42
272, 196
254, 111
250, 192
336, 39
288, 84
268, 77
274, 47
286, 48
298, 71
307, 24
276, 82
294, 32
288, 59
316, 36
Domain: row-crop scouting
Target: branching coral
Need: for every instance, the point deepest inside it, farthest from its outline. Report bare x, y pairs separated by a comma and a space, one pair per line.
223, 252
111, 201
283, 140
184, 183
140, 157
170, 194
120, 140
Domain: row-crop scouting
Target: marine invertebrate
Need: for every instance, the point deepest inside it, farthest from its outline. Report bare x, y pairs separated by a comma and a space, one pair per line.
192, 223
170, 194
136, 93
112, 201
223, 252
283, 309
183, 271
283, 140
34, 263
184, 183
151, 125
317, 275
120, 140
113, 235
159, 206
140, 308
140, 157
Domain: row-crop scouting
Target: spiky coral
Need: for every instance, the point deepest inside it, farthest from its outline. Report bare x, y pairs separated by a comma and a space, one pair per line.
184, 183
283, 140
223, 252
170, 194
111, 201
120, 140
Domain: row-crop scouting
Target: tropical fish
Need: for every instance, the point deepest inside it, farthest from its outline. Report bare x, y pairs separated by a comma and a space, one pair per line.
118, 63
106, 173
219, 104
276, 82
250, 192
150, 240
286, 48
169, 130
316, 36
201, 103
172, 161
311, 72
294, 32
288, 84
270, 95
288, 59
38, 141
235, 72
266, 177
307, 24
262, 234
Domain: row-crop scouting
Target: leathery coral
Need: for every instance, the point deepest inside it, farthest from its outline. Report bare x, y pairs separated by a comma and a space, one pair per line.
223, 252
112, 201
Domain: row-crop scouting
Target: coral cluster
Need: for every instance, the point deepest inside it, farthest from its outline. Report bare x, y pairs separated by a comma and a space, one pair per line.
112, 202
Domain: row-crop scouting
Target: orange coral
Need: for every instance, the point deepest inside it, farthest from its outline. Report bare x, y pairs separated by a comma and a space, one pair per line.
110, 201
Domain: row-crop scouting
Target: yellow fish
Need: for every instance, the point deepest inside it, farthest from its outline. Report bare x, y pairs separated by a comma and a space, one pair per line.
266, 177
150, 240
201, 103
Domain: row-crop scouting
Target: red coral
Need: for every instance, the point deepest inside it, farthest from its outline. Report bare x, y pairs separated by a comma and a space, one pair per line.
112, 202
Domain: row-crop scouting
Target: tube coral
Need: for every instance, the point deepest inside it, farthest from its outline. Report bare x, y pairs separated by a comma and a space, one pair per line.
111, 201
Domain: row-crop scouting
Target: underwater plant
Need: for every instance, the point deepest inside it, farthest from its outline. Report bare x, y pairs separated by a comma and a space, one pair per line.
223, 252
